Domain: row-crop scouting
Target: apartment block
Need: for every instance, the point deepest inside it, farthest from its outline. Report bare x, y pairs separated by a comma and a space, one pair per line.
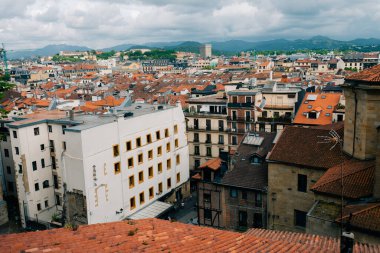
281, 105
99, 168
206, 128
7, 172
241, 113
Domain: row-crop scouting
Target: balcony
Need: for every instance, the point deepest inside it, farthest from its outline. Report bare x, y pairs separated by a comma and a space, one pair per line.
240, 119
240, 105
206, 114
236, 130
275, 120
196, 129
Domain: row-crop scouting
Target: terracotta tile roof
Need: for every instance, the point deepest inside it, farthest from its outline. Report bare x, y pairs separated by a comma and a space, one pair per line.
153, 235
371, 75
324, 104
213, 164
358, 179
364, 216
325, 243
302, 146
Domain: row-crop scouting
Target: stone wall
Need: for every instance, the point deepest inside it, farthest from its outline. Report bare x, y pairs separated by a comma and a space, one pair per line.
376, 190
284, 197
76, 208
3, 212
362, 124
319, 226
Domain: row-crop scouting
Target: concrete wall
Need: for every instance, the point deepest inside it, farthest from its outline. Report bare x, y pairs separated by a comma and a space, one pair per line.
107, 192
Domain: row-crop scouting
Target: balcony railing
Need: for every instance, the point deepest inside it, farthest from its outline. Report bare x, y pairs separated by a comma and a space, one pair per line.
240, 119
205, 114
239, 105
277, 120
192, 128
236, 130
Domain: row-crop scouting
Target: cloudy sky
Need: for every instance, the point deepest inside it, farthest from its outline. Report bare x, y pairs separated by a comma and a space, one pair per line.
103, 23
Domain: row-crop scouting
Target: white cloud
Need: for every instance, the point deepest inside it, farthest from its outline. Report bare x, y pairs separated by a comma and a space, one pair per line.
102, 23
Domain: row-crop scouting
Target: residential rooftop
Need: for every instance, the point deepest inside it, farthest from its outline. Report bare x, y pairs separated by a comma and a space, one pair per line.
85, 121
153, 235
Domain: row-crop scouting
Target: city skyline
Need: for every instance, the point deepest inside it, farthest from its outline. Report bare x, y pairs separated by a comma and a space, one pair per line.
102, 23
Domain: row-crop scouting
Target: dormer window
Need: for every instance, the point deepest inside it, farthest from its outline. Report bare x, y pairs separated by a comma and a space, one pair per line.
328, 114
256, 159
313, 115
309, 106
329, 107
306, 102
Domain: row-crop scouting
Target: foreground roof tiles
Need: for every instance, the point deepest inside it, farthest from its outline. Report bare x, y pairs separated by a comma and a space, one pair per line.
153, 235
325, 243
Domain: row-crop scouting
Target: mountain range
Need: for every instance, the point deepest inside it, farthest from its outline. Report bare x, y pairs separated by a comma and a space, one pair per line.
223, 47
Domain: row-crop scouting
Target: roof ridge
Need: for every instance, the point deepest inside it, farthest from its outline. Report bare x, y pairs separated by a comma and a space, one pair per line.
361, 211
344, 176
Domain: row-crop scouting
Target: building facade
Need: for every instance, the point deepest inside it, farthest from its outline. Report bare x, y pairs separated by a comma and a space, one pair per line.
206, 128
241, 111
98, 168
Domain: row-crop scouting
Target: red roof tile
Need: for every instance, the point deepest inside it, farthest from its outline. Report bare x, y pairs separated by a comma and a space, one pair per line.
324, 104
364, 216
309, 240
371, 75
303, 147
153, 235
213, 164
358, 179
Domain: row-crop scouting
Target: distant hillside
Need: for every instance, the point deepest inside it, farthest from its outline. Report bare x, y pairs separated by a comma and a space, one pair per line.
187, 46
224, 47
121, 47
45, 51
317, 42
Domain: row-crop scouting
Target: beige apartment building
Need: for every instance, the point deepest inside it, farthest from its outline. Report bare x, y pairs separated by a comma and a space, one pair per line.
280, 107
206, 128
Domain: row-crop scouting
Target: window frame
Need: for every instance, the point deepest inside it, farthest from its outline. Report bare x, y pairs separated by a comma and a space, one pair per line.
130, 161
141, 177
131, 181
301, 183
132, 203
128, 145
116, 168
115, 150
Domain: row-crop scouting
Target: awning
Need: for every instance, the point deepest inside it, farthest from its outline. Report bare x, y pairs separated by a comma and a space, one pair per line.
153, 210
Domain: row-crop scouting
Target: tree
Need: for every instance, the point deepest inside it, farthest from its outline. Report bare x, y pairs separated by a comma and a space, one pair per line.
4, 86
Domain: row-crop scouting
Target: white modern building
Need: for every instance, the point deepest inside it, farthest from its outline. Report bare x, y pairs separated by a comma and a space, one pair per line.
100, 168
